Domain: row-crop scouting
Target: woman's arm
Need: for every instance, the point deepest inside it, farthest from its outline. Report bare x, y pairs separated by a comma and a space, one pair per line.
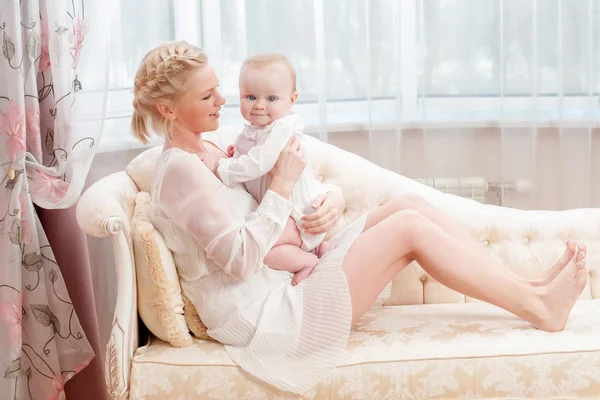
195, 200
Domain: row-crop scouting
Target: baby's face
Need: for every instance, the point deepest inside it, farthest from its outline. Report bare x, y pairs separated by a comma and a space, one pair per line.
266, 93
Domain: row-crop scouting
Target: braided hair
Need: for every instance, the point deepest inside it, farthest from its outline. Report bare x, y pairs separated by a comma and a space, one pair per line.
160, 77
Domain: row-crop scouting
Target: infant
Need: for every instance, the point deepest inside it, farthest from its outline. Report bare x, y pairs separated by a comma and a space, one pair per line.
267, 94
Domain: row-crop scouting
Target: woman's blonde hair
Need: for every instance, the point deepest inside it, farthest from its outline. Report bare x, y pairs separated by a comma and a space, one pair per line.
160, 77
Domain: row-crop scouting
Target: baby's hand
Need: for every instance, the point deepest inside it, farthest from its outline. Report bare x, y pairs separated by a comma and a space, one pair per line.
230, 150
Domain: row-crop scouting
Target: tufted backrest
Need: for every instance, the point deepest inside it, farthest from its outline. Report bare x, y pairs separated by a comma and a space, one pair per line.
528, 242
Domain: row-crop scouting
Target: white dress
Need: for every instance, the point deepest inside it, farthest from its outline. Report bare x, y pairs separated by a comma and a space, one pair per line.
256, 151
291, 337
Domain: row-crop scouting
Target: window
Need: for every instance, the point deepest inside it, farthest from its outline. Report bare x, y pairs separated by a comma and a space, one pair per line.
374, 63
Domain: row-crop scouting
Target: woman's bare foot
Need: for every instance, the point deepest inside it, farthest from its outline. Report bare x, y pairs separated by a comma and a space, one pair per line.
559, 296
301, 275
323, 248
561, 263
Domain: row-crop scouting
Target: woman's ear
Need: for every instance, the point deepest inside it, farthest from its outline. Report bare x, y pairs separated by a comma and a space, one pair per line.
294, 98
166, 111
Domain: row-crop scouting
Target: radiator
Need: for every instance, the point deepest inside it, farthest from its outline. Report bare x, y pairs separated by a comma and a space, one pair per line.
477, 188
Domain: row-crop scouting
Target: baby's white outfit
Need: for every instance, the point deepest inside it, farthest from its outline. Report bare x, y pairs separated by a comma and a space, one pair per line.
257, 149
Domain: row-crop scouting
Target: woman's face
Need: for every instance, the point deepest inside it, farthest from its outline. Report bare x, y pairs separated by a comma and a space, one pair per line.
197, 110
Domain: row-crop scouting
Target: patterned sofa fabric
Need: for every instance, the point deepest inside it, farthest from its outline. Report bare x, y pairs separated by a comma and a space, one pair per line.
437, 351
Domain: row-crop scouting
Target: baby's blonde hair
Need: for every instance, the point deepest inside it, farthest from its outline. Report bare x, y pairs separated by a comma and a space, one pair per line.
265, 59
160, 77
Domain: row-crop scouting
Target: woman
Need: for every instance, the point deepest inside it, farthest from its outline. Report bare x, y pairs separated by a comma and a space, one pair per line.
291, 337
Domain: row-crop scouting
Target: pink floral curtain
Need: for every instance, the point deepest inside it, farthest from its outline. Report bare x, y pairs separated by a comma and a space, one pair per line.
45, 154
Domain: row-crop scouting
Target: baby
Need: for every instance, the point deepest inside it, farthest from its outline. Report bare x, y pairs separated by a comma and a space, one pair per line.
267, 93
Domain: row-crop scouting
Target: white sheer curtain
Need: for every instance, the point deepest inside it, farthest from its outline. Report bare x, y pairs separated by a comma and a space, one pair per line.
427, 88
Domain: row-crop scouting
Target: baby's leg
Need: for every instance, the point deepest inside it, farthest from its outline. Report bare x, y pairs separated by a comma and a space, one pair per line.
301, 275
290, 235
287, 254
287, 257
323, 248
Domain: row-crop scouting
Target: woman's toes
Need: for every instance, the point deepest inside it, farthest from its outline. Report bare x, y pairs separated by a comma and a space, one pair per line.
581, 277
571, 247
580, 254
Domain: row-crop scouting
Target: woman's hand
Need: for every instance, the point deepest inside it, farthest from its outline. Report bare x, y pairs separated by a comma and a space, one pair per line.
329, 208
288, 168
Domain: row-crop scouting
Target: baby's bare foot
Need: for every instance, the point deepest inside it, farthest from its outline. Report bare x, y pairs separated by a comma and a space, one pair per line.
572, 247
323, 248
559, 296
301, 275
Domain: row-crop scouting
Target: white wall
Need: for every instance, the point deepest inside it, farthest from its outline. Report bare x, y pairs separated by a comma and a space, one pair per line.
564, 167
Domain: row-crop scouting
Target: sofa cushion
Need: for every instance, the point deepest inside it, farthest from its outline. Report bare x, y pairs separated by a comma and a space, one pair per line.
429, 351
141, 168
160, 304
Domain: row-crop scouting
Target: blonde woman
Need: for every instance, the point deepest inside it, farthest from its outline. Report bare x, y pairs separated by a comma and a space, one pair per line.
293, 336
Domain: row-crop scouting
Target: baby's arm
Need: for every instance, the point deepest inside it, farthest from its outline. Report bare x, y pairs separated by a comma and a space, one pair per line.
260, 159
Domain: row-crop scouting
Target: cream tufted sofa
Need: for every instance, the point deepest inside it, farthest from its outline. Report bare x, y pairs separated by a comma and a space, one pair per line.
438, 344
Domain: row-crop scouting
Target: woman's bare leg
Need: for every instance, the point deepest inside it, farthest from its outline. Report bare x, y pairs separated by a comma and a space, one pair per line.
390, 245
410, 201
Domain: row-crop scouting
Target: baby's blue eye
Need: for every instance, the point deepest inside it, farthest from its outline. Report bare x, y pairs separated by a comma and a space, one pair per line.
251, 97
271, 98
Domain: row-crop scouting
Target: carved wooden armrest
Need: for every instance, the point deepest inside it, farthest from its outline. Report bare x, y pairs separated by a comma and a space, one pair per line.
105, 210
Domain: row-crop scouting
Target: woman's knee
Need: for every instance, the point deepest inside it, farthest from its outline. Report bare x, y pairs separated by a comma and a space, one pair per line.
408, 201
411, 226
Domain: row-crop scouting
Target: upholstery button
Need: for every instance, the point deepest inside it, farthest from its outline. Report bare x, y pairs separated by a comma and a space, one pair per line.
424, 278
486, 243
11, 174
525, 240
